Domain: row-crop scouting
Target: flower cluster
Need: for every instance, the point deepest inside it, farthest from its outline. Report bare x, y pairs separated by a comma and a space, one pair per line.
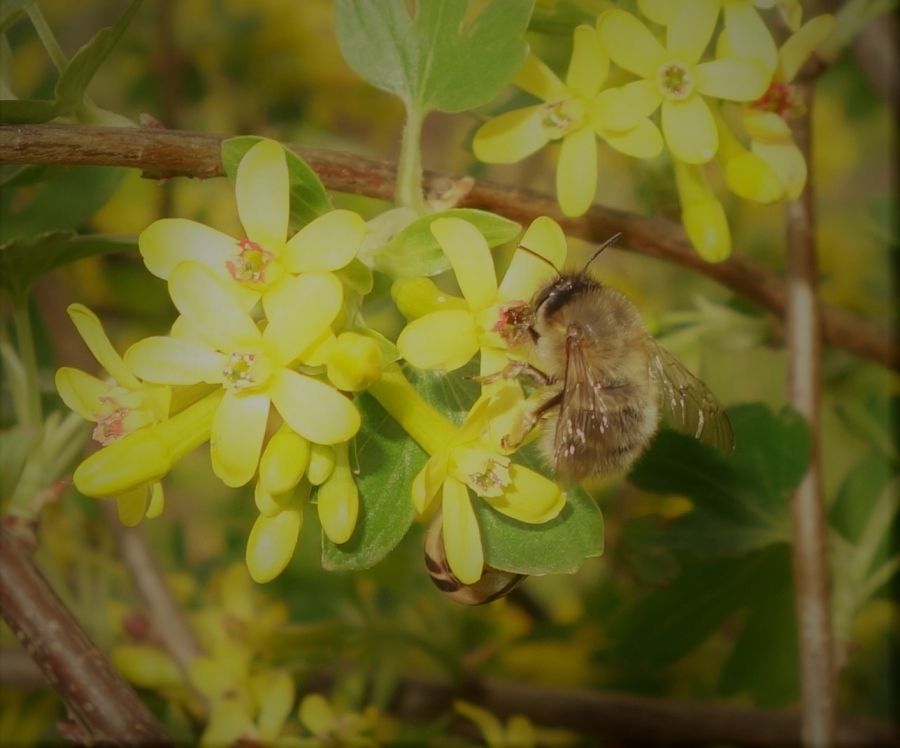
261, 342
687, 85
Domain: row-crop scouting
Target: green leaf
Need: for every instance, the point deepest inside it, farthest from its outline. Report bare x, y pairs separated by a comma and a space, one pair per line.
388, 462
441, 59
664, 625
414, 251
740, 501
18, 111
66, 201
74, 79
308, 197
559, 546
16, 446
24, 260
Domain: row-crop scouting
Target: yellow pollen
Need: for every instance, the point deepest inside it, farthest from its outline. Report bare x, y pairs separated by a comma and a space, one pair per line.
238, 370
675, 80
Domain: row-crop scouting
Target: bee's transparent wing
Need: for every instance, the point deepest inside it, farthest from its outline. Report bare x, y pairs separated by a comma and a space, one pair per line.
688, 405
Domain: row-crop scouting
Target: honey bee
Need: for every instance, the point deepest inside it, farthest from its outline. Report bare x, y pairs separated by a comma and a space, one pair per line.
605, 382
493, 584
604, 385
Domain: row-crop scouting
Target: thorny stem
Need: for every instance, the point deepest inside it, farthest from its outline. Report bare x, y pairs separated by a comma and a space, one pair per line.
810, 552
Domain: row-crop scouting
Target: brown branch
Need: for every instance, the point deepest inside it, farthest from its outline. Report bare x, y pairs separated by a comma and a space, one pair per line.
169, 153
104, 707
809, 526
625, 718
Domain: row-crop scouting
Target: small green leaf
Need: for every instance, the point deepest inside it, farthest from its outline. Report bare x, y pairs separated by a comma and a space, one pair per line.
18, 111
388, 462
66, 201
308, 197
559, 546
24, 260
74, 79
441, 59
414, 251
740, 501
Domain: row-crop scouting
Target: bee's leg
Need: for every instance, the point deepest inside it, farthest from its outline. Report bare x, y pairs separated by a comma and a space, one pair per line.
542, 404
516, 370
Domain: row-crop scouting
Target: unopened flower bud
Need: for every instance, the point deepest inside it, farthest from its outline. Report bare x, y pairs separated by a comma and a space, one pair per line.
271, 544
416, 297
354, 363
321, 463
338, 500
284, 461
146, 666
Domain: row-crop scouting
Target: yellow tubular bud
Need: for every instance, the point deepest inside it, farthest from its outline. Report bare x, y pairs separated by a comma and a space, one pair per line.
271, 544
338, 499
146, 455
321, 463
354, 362
283, 461
702, 214
416, 297
146, 666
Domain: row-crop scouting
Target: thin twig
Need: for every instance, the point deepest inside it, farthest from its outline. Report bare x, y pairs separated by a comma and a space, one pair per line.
169, 153
810, 551
105, 709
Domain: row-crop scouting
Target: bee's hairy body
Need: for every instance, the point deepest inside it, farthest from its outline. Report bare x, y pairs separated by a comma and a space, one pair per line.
580, 323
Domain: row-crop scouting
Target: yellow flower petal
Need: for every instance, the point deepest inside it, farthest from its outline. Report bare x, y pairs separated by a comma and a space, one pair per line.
442, 340
530, 497
81, 392
750, 177
338, 500
91, 331
276, 700
643, 141
629, 43
749, 35
330, 242
131, 506
576, 173
735, 80
468, 252
354, 362
689, 130
765, 126
624, 107
271, 544
157, 501
539, 80
316, 714
691, 28
520, 731
707, 228
527, 273
314, 410
299, 310
175, 361
658, 11
416, 297
488, 724
797, 49
135, 460
210, 308
262, 191
511, 136
428, 481
237, 436
462, 537
165, 243
589, 64
786, 160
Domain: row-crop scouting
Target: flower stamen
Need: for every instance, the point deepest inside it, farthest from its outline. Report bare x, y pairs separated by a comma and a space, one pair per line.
784, 100
676, 81
251, 263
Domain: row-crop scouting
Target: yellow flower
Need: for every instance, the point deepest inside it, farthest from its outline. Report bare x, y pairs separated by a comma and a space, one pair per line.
701, 213
467, 459
448, 337
518, 733
673, 78
119, 408
348, 729
253, 367
766, 119
567, 114
259, 262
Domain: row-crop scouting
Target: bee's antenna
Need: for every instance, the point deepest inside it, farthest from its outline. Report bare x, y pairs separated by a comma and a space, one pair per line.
539, 256
612, 240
